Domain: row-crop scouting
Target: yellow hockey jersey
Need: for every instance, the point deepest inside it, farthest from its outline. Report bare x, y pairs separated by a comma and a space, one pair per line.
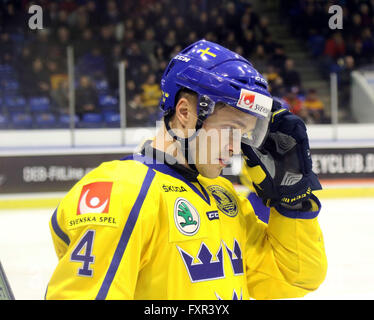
139, 229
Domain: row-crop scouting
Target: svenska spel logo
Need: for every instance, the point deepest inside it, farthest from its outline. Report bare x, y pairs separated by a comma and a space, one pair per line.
246, 100
95, 198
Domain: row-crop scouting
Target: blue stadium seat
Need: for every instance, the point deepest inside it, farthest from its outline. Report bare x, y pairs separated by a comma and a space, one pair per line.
10, 85
91, 120
14, 104
112, 119
108, 103
40, 104
64, 121
45, 120
21, 120
6, 69
102, 86
4, 122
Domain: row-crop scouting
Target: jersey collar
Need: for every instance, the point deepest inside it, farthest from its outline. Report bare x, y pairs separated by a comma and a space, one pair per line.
160, 161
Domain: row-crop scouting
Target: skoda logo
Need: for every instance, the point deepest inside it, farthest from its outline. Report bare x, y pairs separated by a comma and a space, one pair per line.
186, 217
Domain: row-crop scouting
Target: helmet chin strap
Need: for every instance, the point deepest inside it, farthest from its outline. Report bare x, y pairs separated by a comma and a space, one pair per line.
183, 141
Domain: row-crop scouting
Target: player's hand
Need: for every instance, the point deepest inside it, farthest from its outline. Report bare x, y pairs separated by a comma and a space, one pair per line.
281, 170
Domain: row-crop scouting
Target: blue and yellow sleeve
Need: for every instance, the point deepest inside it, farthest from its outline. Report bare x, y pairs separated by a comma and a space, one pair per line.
100, 230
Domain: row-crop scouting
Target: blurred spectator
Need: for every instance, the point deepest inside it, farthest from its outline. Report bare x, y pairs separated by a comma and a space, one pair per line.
135, 57
295, 103
344, 77
335, 46
162, 28
148, 45
107, 39
247, 8
139, 28
24, 60
203, 24
192, 37
274, 80
271, 74
111, 15
40, 45
181, 28
62, 20
92, 63
151, 92
357, 52
178, 48
137, 114
56, 73
230, 41
277, 87
231, 18
219, 28
60, 97
62, 39
84, 43
308, 22
365, 15
263, 27
141, 74
68, 5
249, 42
36, 82
116, 56
314, 107
79, 20
86, 98
131, 90
12, 19
291, 78
355, 28
170, 42
6, 45
279, 57
93, 13
269, 45
259, 58
367, 44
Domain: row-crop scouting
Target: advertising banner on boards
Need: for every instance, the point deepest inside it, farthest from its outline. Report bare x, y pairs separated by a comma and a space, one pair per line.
55, 173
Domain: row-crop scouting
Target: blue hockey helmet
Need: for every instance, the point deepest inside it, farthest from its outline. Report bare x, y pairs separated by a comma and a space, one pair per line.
217, 74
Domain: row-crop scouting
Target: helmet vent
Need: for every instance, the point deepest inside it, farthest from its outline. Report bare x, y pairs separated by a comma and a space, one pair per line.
171, 65
235, 86
261, 84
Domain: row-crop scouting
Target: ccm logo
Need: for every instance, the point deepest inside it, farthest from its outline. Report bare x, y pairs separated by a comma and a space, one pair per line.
212, 215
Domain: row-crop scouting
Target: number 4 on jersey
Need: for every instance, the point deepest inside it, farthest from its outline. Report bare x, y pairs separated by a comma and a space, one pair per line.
83, 253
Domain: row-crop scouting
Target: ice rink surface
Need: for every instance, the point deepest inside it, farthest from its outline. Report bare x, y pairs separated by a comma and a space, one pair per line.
28, 256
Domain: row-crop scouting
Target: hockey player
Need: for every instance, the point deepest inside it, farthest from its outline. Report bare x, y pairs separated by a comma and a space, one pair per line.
163, 224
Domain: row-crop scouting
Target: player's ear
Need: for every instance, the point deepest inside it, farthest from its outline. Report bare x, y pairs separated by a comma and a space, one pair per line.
185, 114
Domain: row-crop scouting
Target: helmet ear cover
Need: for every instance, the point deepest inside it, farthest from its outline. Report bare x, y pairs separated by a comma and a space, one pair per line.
205, 106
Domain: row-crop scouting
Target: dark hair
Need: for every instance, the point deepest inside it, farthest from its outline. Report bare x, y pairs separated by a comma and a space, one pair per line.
184, 92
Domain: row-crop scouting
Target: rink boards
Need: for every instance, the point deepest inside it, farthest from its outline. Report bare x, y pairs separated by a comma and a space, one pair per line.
39, 177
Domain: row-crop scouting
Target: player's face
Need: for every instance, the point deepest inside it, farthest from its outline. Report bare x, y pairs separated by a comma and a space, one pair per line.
220, 139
